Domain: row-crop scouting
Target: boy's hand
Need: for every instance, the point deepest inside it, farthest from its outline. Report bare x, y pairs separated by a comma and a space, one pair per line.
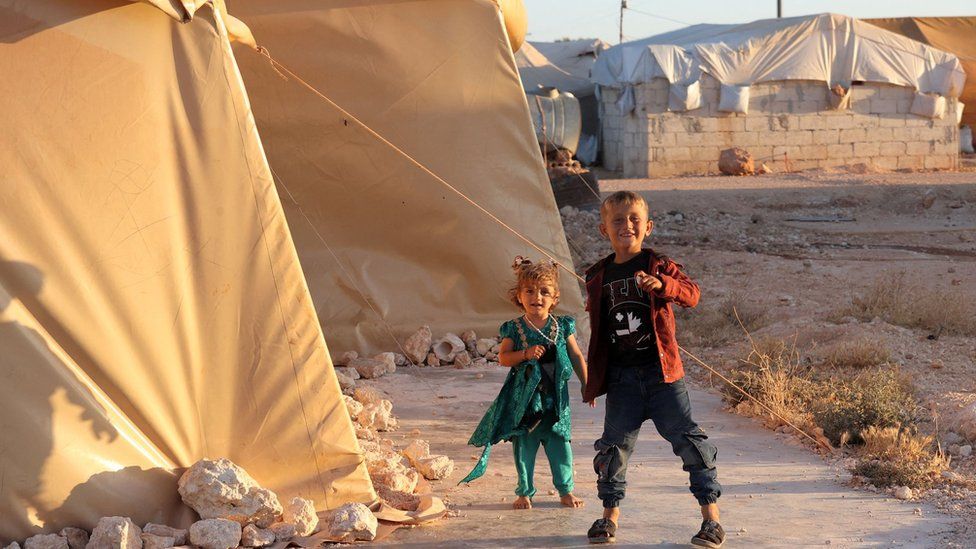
647, 282
590, 403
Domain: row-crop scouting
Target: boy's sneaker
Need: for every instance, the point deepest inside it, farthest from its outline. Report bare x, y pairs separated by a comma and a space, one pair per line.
602, 531
710, 535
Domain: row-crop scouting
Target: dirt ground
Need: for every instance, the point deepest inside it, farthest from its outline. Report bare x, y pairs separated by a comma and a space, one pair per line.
798, 246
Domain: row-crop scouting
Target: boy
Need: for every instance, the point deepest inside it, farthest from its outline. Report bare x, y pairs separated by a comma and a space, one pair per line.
633, 359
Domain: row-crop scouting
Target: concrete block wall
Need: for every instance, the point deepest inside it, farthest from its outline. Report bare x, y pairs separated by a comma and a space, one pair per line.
789, 125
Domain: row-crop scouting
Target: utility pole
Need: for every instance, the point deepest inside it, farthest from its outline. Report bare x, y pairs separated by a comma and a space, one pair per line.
623, 6
779, 9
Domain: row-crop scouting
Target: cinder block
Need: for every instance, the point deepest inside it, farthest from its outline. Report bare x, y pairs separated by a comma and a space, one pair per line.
841, 150
841, 121
911, 162
867, 149
853, 135
815, 152
798, 137
883, 106
918, 148
678, 153
758, 123
813, 122
826, 136
885, 162
892, 148
938, 162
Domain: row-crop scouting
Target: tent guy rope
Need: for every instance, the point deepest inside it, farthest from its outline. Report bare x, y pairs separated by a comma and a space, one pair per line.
284, 71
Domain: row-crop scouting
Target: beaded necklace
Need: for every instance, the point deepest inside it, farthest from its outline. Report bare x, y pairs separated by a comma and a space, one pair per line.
554, 330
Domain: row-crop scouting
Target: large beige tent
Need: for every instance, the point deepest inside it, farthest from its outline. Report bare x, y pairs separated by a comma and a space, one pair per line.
152, 307
438, 79
956, 35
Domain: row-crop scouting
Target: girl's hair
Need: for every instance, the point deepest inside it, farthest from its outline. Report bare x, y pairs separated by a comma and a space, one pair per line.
527, 273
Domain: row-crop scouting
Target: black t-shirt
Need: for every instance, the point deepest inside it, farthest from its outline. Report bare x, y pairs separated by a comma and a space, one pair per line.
627, 315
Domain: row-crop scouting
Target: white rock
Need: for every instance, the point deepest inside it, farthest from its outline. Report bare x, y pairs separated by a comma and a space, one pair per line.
416, 450
389, 359
353, 406
345, 358
115, 533
283, 531
483, 346
46, 541
221, 489
301, 513
346, 383
77, 538
491, 357
462, 360
966, 450
965, 423
497, 348
152, 541
364, 433
447, 347
369, 368
353, 521
435, 467
378, 416
252, 536
432, 360
400, 360
418, 345
215, 533
903, 492
952, 438
470, 340
161, 530
13, 545
368, 395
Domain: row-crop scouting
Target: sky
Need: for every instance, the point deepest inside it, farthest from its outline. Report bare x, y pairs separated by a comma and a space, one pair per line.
553, 19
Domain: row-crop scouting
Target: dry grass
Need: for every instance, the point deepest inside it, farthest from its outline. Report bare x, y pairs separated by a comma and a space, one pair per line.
845, 407
899, 457
710, 326
943, 309
857, 354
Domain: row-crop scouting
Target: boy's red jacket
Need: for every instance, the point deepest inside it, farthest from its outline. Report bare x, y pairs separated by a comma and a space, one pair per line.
678, 288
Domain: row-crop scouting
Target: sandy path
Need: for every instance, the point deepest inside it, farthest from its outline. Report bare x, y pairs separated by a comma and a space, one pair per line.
777, 494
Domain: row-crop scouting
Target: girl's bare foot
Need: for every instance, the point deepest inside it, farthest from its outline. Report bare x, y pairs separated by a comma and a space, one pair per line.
522, 502
569, 500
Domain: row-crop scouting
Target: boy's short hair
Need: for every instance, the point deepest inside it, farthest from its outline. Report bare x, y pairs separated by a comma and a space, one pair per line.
623, 197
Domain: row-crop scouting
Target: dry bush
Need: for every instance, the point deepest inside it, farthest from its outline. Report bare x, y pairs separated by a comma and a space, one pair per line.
712, 326
857, 354
771, 375
845, 408
944, 309
899, 457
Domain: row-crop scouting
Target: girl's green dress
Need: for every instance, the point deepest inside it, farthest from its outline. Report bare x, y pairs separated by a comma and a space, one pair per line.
521, 399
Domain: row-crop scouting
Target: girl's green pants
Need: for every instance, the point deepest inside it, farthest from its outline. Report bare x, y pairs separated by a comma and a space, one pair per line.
558, 451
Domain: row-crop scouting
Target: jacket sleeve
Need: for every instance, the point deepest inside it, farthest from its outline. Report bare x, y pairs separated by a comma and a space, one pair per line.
677, 287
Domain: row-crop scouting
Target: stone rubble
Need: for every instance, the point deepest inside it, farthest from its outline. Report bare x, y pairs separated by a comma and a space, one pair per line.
215, 533
447, 347
371, 368
115, 533
283, 531
161, 530
301, 513
353, 522
77, 538
221, 489
152, 541
252, 536
46, 541
418, 345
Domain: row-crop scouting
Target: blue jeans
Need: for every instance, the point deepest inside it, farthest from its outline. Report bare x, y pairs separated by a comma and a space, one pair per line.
635, 395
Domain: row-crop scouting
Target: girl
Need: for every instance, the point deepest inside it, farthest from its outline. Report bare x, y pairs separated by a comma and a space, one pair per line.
532, 407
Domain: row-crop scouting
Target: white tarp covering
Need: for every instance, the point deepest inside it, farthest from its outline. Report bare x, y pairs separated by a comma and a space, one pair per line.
562, 65
833, 48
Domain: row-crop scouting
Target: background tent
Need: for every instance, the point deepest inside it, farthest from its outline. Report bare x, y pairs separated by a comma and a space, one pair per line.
152, 307
438, 79
832, 48
956, 35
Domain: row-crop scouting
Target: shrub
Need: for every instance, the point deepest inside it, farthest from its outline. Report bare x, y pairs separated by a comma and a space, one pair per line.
944, 309
879, 398
709, 326
858, 354
899, 457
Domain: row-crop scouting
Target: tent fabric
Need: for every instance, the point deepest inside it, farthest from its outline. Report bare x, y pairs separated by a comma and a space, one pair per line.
956, 35
832, 48
152, 307
438, 79
561, 65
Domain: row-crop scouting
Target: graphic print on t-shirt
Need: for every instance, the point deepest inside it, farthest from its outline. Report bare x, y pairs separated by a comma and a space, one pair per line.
629, 315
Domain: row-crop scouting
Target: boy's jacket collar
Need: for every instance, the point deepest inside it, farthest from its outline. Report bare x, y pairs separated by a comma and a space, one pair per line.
599, 265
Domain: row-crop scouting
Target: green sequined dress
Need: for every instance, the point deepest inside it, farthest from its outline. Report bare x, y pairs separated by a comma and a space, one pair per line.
521, 397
